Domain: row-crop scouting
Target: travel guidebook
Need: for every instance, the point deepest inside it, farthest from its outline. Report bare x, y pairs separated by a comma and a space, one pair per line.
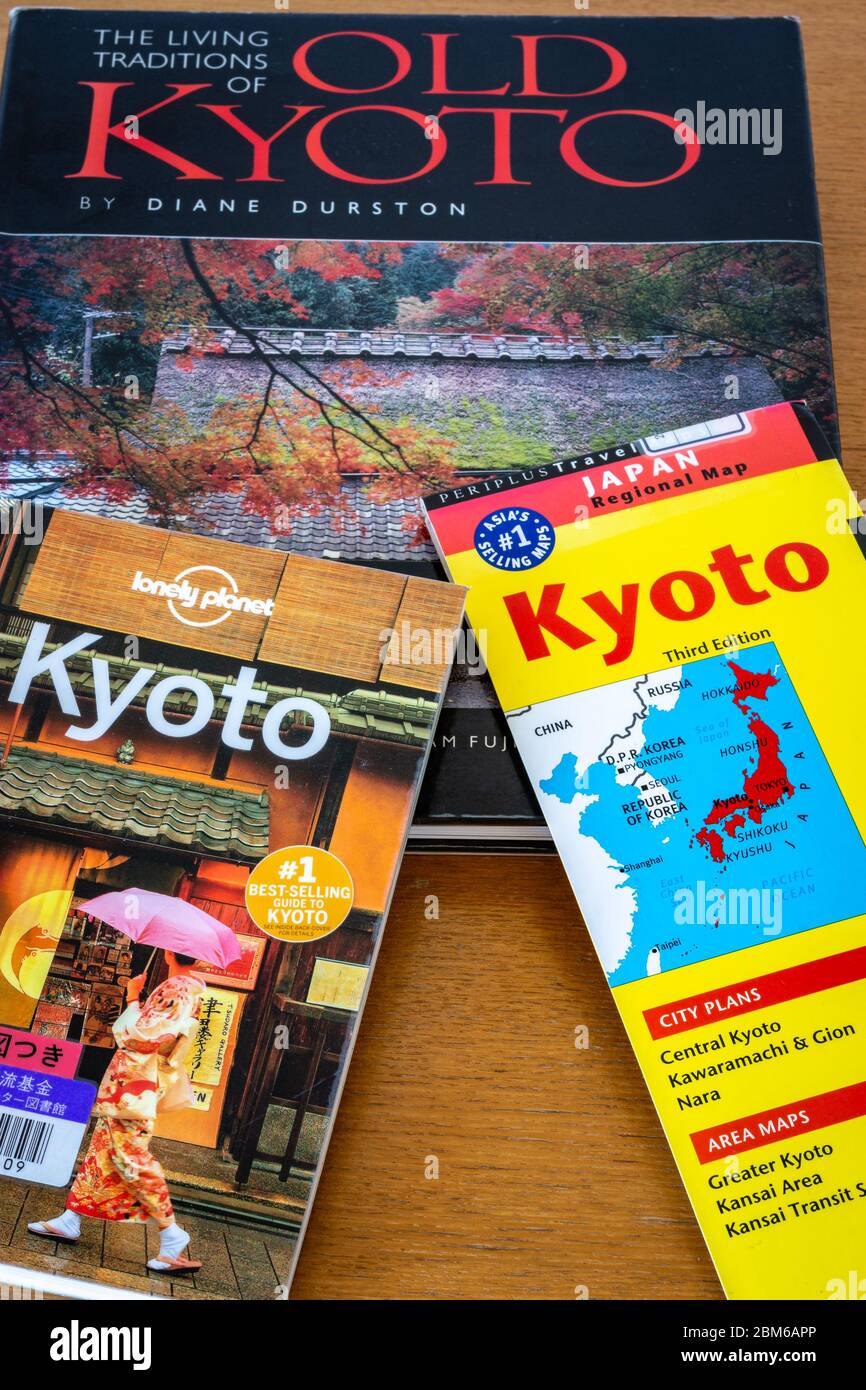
668, 630
210, 759
270, 277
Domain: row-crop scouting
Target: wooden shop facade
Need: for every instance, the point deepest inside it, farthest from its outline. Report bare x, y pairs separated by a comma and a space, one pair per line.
191, 815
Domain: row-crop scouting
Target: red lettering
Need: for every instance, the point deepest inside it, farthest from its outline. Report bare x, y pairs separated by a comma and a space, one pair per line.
260, 172
621, 621
533, 623
501, 136
316, 151
306, 74
530, 623
440, 86
702, 593
730, 566
100, 129
777, 569
530, 44
568, 150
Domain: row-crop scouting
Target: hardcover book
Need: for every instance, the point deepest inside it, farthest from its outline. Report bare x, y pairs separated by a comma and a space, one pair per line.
270, 277
669, 631
210, 759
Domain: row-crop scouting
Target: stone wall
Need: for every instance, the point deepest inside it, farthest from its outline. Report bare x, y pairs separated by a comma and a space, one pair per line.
500, 413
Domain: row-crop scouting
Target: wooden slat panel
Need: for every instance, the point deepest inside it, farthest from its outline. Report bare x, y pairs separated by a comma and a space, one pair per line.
86, 568
424, 632
81, 567
327, 617
257, 574
330, 617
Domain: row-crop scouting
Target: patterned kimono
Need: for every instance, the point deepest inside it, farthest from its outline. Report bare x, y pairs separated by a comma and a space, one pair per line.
120, 1180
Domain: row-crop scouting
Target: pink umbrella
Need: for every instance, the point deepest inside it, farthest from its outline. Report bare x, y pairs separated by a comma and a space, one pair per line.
156, 919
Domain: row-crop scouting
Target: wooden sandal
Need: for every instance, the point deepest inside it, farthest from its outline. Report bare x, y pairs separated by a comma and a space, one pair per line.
45, 1228
166, 1264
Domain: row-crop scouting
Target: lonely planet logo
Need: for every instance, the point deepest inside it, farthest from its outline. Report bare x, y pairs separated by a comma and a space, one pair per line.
202, 596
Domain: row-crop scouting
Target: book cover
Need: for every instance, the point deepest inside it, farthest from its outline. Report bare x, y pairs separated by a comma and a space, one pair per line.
670, 632
269, 277
209, 760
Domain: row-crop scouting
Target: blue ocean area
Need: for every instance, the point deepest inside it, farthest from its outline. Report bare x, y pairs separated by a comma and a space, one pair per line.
805, 856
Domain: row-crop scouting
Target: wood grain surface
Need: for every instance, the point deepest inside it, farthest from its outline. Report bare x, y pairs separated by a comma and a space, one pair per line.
553, 1174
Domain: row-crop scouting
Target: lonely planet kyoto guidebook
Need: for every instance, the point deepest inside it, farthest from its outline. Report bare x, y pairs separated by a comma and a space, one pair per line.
210, 759
668, 628
270, 277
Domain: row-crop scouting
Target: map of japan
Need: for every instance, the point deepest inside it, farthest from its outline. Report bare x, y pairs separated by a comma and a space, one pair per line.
765, 785
694, 810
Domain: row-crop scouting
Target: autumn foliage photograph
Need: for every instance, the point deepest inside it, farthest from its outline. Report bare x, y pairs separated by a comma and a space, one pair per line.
170, 368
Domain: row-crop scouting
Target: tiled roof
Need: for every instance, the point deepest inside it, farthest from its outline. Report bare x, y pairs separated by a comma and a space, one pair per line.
101, 799
360, 530
218, 340
373, 714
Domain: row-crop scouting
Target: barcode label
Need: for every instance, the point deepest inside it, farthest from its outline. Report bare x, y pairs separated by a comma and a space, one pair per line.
42, 1123
24, 1139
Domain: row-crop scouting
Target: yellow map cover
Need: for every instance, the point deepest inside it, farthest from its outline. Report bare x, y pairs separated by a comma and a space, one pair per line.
668, 625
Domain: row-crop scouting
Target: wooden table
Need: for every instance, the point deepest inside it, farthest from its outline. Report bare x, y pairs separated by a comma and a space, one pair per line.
552, 1171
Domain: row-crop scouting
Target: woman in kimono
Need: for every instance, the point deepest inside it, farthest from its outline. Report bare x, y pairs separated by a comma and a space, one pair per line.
120, 1180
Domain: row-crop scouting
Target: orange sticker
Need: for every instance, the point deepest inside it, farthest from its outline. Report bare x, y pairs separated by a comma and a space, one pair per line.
299, 893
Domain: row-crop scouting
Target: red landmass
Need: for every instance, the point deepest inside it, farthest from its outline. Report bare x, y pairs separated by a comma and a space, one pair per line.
763, 788
751, 685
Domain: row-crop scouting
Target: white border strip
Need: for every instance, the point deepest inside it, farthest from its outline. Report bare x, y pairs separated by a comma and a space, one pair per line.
372, 239
87, 1289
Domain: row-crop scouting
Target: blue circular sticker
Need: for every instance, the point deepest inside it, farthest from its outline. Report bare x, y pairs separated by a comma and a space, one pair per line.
514, 538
